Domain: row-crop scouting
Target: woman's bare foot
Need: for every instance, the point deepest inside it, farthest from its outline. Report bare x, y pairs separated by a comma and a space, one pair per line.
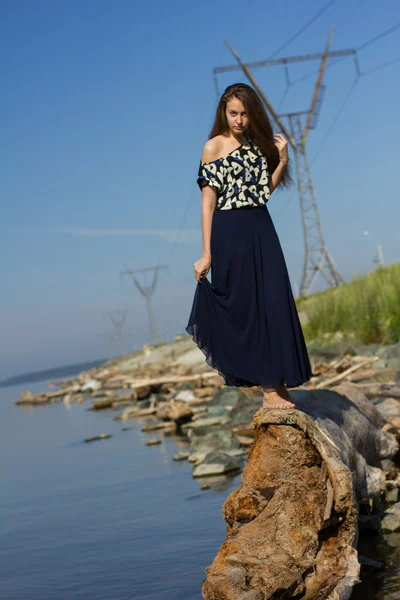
277, 398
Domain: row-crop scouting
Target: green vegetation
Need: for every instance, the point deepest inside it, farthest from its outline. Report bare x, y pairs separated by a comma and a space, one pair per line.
367, 308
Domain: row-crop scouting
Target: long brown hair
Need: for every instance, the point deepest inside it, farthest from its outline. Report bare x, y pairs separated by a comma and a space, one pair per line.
259, 130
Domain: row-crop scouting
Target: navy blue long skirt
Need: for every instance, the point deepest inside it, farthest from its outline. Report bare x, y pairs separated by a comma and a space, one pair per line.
246, 320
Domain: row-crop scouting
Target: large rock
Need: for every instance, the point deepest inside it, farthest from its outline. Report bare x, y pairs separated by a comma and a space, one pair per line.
292, 524
244, 411
228, 396
218, 440
216, 463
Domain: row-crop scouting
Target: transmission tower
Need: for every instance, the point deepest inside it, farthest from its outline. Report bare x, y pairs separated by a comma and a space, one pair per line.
317, 259
147, 292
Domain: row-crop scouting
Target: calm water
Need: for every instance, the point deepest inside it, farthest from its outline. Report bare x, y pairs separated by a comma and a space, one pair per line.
111, 520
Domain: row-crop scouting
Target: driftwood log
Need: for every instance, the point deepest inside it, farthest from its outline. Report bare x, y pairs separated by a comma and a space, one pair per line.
292, 524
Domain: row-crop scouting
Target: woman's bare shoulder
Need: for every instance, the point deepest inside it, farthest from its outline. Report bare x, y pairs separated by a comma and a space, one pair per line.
212, 149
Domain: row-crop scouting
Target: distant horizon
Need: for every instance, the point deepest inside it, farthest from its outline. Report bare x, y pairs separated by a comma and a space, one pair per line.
41, 375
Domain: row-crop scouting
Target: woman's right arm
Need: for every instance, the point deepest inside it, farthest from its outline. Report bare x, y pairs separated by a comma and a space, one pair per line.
208, 204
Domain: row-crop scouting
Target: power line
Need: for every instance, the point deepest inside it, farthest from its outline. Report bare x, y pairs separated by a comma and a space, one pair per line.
304, 27
379, 36
336, 118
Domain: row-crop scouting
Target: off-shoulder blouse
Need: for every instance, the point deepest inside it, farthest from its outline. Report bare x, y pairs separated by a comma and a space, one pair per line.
241, 178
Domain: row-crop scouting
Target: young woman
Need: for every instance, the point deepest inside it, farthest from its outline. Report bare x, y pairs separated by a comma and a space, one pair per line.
246, 321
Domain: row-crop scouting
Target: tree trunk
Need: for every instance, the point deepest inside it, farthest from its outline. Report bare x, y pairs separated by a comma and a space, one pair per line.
292, 523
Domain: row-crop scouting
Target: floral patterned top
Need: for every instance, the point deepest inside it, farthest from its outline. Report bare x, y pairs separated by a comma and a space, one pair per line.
241, 177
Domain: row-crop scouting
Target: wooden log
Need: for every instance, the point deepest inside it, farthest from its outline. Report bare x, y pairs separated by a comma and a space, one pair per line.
344, 374
292, 523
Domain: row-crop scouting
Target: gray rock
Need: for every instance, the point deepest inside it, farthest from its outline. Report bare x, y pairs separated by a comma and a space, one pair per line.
393, 510
218, 411
228, 396
389, 408
392, 495
392, 351
218, 440
389, 468
185, 396
390, 523
243, 413
153, 442
204, 422
180, 456
216, 463
367, 349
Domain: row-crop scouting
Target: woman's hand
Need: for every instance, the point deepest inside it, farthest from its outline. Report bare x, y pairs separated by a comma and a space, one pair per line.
201, 267
282, 145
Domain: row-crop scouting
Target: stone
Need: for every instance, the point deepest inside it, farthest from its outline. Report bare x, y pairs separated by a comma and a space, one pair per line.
153, 442
390, 523
101, 436
180, 456
392, 495
389, 408
218, 411
185, 396
91, 385
243, 413
367, 349
389, 468
228, 396
392, 539
392, 351
216, 463
219, 440
204, 422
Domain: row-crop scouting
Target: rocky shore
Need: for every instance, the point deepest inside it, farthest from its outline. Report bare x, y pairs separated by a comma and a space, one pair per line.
174, 391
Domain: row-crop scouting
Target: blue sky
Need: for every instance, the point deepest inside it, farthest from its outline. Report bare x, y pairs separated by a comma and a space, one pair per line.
105, 109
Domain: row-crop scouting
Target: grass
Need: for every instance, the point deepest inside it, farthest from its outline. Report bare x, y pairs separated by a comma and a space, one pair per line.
367, 308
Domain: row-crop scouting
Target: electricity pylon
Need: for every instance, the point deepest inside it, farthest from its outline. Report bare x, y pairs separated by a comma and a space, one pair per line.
147, 292
318, 259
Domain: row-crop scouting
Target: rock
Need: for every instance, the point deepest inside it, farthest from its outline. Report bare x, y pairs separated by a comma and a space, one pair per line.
143, 392
179, 412
204, 422
102, 403
91, 385
222, 439
121, 403
181, 456
204, 392
367, 349
185, 396
390, 523
389, 468
216, 463
392, 495
153, 442
395, 421
245, 440
165, 427
392, 351
243, 413
218, 411
228, 396
392, 539
389, 408
395, 509
101, 436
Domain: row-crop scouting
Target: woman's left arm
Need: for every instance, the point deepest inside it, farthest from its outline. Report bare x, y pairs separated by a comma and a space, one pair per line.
282, 145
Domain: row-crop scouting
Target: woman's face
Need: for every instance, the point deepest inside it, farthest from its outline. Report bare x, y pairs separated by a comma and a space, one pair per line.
236, 116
